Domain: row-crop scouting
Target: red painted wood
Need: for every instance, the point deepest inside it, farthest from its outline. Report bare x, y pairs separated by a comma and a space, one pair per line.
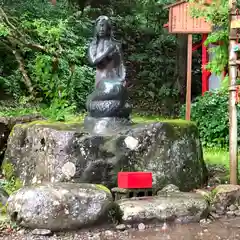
205, 73
181, 21
237, 94
135, 180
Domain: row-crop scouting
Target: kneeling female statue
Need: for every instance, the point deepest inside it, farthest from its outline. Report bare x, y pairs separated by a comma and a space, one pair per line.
107, 105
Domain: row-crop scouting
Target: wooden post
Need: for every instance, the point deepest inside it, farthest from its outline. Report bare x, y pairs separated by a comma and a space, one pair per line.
233, 136
189, 78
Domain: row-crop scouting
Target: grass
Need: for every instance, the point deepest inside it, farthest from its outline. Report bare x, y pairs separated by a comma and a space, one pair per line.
58, 113
216, 156
220, 157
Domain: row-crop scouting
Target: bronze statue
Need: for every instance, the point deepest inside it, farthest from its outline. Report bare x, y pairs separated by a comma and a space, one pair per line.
107, 105
104, 53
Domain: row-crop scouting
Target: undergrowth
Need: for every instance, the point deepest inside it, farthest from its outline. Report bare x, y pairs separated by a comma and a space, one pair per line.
220, 157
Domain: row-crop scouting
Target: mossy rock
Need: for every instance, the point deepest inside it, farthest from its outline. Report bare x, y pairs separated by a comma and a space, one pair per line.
6, 125
54, 151
225, 195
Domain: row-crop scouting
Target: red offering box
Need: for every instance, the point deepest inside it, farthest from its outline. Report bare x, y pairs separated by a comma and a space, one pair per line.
135, 180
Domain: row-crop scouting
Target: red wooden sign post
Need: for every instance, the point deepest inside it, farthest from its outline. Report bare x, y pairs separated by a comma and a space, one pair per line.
181, 22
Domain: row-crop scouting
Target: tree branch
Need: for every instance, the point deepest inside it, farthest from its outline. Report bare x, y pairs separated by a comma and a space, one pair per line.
27, 80
5, 17
20, 38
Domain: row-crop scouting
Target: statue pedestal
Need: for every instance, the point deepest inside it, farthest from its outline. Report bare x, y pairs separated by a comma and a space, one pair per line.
105, 125
63, 152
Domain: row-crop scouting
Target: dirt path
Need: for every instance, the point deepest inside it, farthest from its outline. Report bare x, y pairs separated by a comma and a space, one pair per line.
224, 229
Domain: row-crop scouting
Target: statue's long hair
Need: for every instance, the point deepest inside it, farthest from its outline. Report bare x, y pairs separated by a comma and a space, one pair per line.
110, 34
109, 26
121, 69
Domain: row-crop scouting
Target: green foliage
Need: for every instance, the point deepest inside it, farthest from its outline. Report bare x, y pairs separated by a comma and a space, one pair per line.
11, 183
210, 112
43, 53
59, 110
217, 15
150, 53
49, 49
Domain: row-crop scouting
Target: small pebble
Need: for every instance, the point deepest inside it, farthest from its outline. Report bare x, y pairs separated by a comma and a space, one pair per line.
215, 215
237, 213
141, 226
21, 231
220, 212
94, 237
108, 233
213, 209
232, 207
90, 234
205, 221
164, 227
42, 232
230, 213
121, 227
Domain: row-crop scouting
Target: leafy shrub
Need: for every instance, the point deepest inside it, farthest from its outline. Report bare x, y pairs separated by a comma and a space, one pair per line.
210, 112
58, 110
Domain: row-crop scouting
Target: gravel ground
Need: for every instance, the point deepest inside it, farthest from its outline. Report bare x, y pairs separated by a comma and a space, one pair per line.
224, 229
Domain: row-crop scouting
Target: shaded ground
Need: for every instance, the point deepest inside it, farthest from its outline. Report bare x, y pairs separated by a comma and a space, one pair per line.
224, 229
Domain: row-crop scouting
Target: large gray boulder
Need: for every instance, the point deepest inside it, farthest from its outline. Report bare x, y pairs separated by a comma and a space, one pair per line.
57, 152
59, 206
175, 206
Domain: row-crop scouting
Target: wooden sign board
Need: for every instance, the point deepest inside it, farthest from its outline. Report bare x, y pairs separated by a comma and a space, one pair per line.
180, 20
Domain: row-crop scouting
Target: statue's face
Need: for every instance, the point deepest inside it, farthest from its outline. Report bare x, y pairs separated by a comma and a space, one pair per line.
102, 28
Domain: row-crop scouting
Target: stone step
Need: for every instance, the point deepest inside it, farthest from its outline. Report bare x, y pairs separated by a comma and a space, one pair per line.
180, 207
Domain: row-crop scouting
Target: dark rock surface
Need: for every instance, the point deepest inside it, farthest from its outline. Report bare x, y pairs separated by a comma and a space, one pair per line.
106, 125
55, 152
176, 206
4, 133
59, 206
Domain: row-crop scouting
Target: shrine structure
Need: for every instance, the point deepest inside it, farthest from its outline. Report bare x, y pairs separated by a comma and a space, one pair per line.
181, 22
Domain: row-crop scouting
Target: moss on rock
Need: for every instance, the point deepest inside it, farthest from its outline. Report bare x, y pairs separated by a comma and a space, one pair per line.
102, 187
8, 170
